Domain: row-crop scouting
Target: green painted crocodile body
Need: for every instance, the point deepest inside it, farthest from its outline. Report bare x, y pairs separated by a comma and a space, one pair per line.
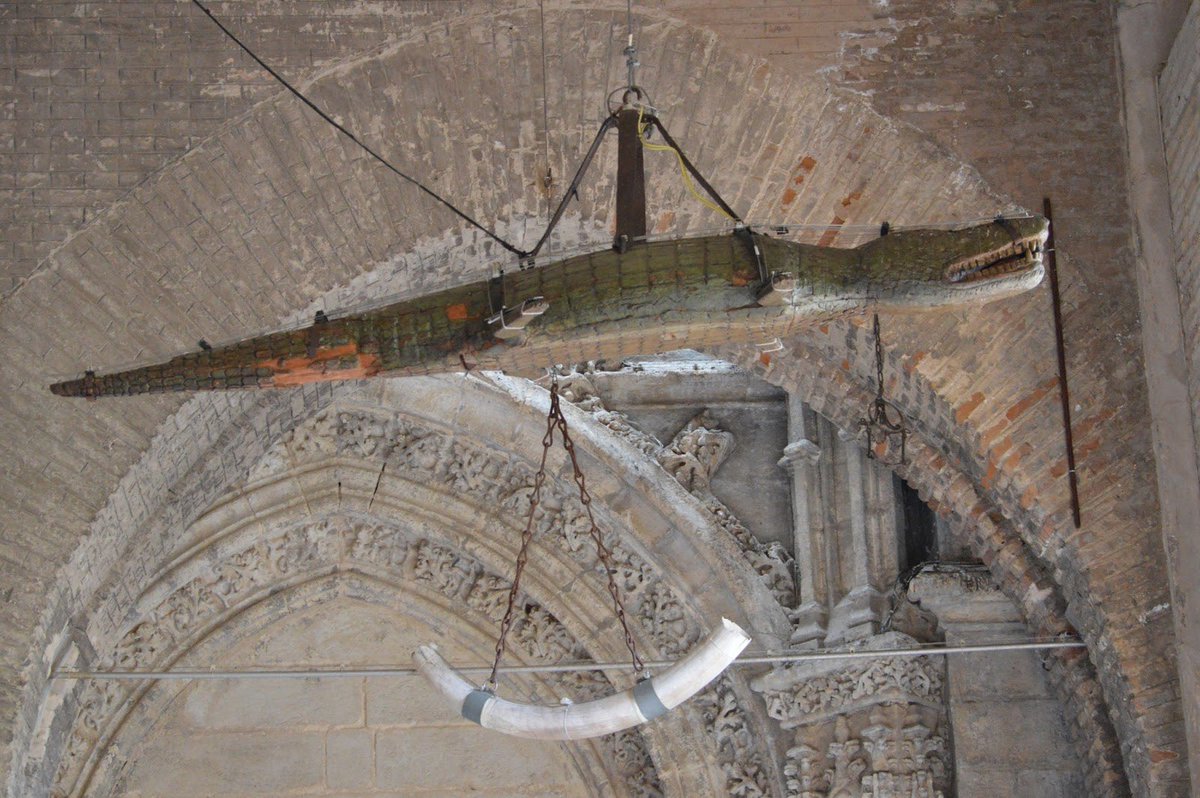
657, 296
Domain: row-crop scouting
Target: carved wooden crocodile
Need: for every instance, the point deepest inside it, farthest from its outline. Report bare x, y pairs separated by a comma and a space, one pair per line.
658, 296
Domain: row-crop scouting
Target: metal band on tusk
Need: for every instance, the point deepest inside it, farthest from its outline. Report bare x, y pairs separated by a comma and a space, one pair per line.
474, 704
647, 700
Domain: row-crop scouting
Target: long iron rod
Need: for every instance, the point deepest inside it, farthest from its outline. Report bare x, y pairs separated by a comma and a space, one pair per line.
1063, 392
565, 667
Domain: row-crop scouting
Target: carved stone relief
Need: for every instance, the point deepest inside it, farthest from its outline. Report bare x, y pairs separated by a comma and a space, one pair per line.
695, 454
692, 458
241, 578
745, 775
862, 728
414, 450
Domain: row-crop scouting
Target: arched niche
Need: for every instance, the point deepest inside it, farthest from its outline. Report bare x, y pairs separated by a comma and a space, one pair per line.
266, 737
458, 476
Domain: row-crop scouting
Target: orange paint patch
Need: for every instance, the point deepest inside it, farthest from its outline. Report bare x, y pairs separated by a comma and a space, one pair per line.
803, 169
765, 359
457, 313
830, 235
1032, 399
1014, 458
665, 220
990, 436
1157, 756
302, 370
789, 196
851, 199
910, 365
989, 478
967, 408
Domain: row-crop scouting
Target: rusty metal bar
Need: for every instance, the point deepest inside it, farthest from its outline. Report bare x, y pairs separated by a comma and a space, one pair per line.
631, 181
1064, 392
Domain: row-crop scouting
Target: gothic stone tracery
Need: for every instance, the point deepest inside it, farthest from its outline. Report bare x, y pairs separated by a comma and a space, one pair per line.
412, 448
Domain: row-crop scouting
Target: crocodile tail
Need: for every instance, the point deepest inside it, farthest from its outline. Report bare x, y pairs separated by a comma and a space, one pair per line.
279, 360
197, 371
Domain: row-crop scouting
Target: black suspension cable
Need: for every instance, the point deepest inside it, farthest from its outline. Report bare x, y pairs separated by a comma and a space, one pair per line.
464, 216
573, 190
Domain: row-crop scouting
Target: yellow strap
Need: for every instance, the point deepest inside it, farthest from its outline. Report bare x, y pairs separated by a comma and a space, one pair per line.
687, 178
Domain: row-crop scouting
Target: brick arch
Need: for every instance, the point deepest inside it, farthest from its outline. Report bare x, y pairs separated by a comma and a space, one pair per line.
996, 463
936, 469
273, 211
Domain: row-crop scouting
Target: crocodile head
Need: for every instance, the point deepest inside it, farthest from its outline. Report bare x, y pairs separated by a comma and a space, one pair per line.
917, 269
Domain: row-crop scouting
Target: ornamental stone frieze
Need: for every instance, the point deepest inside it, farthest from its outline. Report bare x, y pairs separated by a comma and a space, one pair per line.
872, 728
212, 585
225, 587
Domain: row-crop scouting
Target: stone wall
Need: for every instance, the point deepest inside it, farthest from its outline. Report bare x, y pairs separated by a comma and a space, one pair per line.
1179, 90
1011, 737
364, 736
1179, 110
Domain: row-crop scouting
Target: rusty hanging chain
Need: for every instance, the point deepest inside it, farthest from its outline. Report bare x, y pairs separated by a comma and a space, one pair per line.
602, 551
880, 412
556, 419
526, 536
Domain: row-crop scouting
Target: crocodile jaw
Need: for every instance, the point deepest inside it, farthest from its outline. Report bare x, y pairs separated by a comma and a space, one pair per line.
1004, 271
1018, 259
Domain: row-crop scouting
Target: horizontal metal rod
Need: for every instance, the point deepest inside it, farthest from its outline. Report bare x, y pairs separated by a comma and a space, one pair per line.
564, 667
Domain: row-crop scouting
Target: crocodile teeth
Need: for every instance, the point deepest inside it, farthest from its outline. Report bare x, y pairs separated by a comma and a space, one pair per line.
1015, 257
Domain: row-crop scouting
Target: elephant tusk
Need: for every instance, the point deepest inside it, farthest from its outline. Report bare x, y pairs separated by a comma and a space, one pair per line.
644, 701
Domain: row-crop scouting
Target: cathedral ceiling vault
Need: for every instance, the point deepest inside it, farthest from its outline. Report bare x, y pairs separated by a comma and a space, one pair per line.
273, 216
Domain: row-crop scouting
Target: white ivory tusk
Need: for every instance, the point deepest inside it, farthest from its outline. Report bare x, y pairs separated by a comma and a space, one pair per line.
642, 702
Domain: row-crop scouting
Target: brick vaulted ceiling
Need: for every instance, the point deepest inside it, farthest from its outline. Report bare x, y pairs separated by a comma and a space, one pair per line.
160, 189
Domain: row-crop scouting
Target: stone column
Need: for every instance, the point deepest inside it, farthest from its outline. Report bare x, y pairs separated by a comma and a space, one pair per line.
802, 457
867, 544
847, 534
1008, 733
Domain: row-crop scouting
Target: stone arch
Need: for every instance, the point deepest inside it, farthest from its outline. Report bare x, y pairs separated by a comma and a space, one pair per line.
266, 601
152, 729
235, 256
361, 452
943, 475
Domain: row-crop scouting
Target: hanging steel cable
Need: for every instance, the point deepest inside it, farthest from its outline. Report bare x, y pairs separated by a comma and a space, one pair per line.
781, 658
